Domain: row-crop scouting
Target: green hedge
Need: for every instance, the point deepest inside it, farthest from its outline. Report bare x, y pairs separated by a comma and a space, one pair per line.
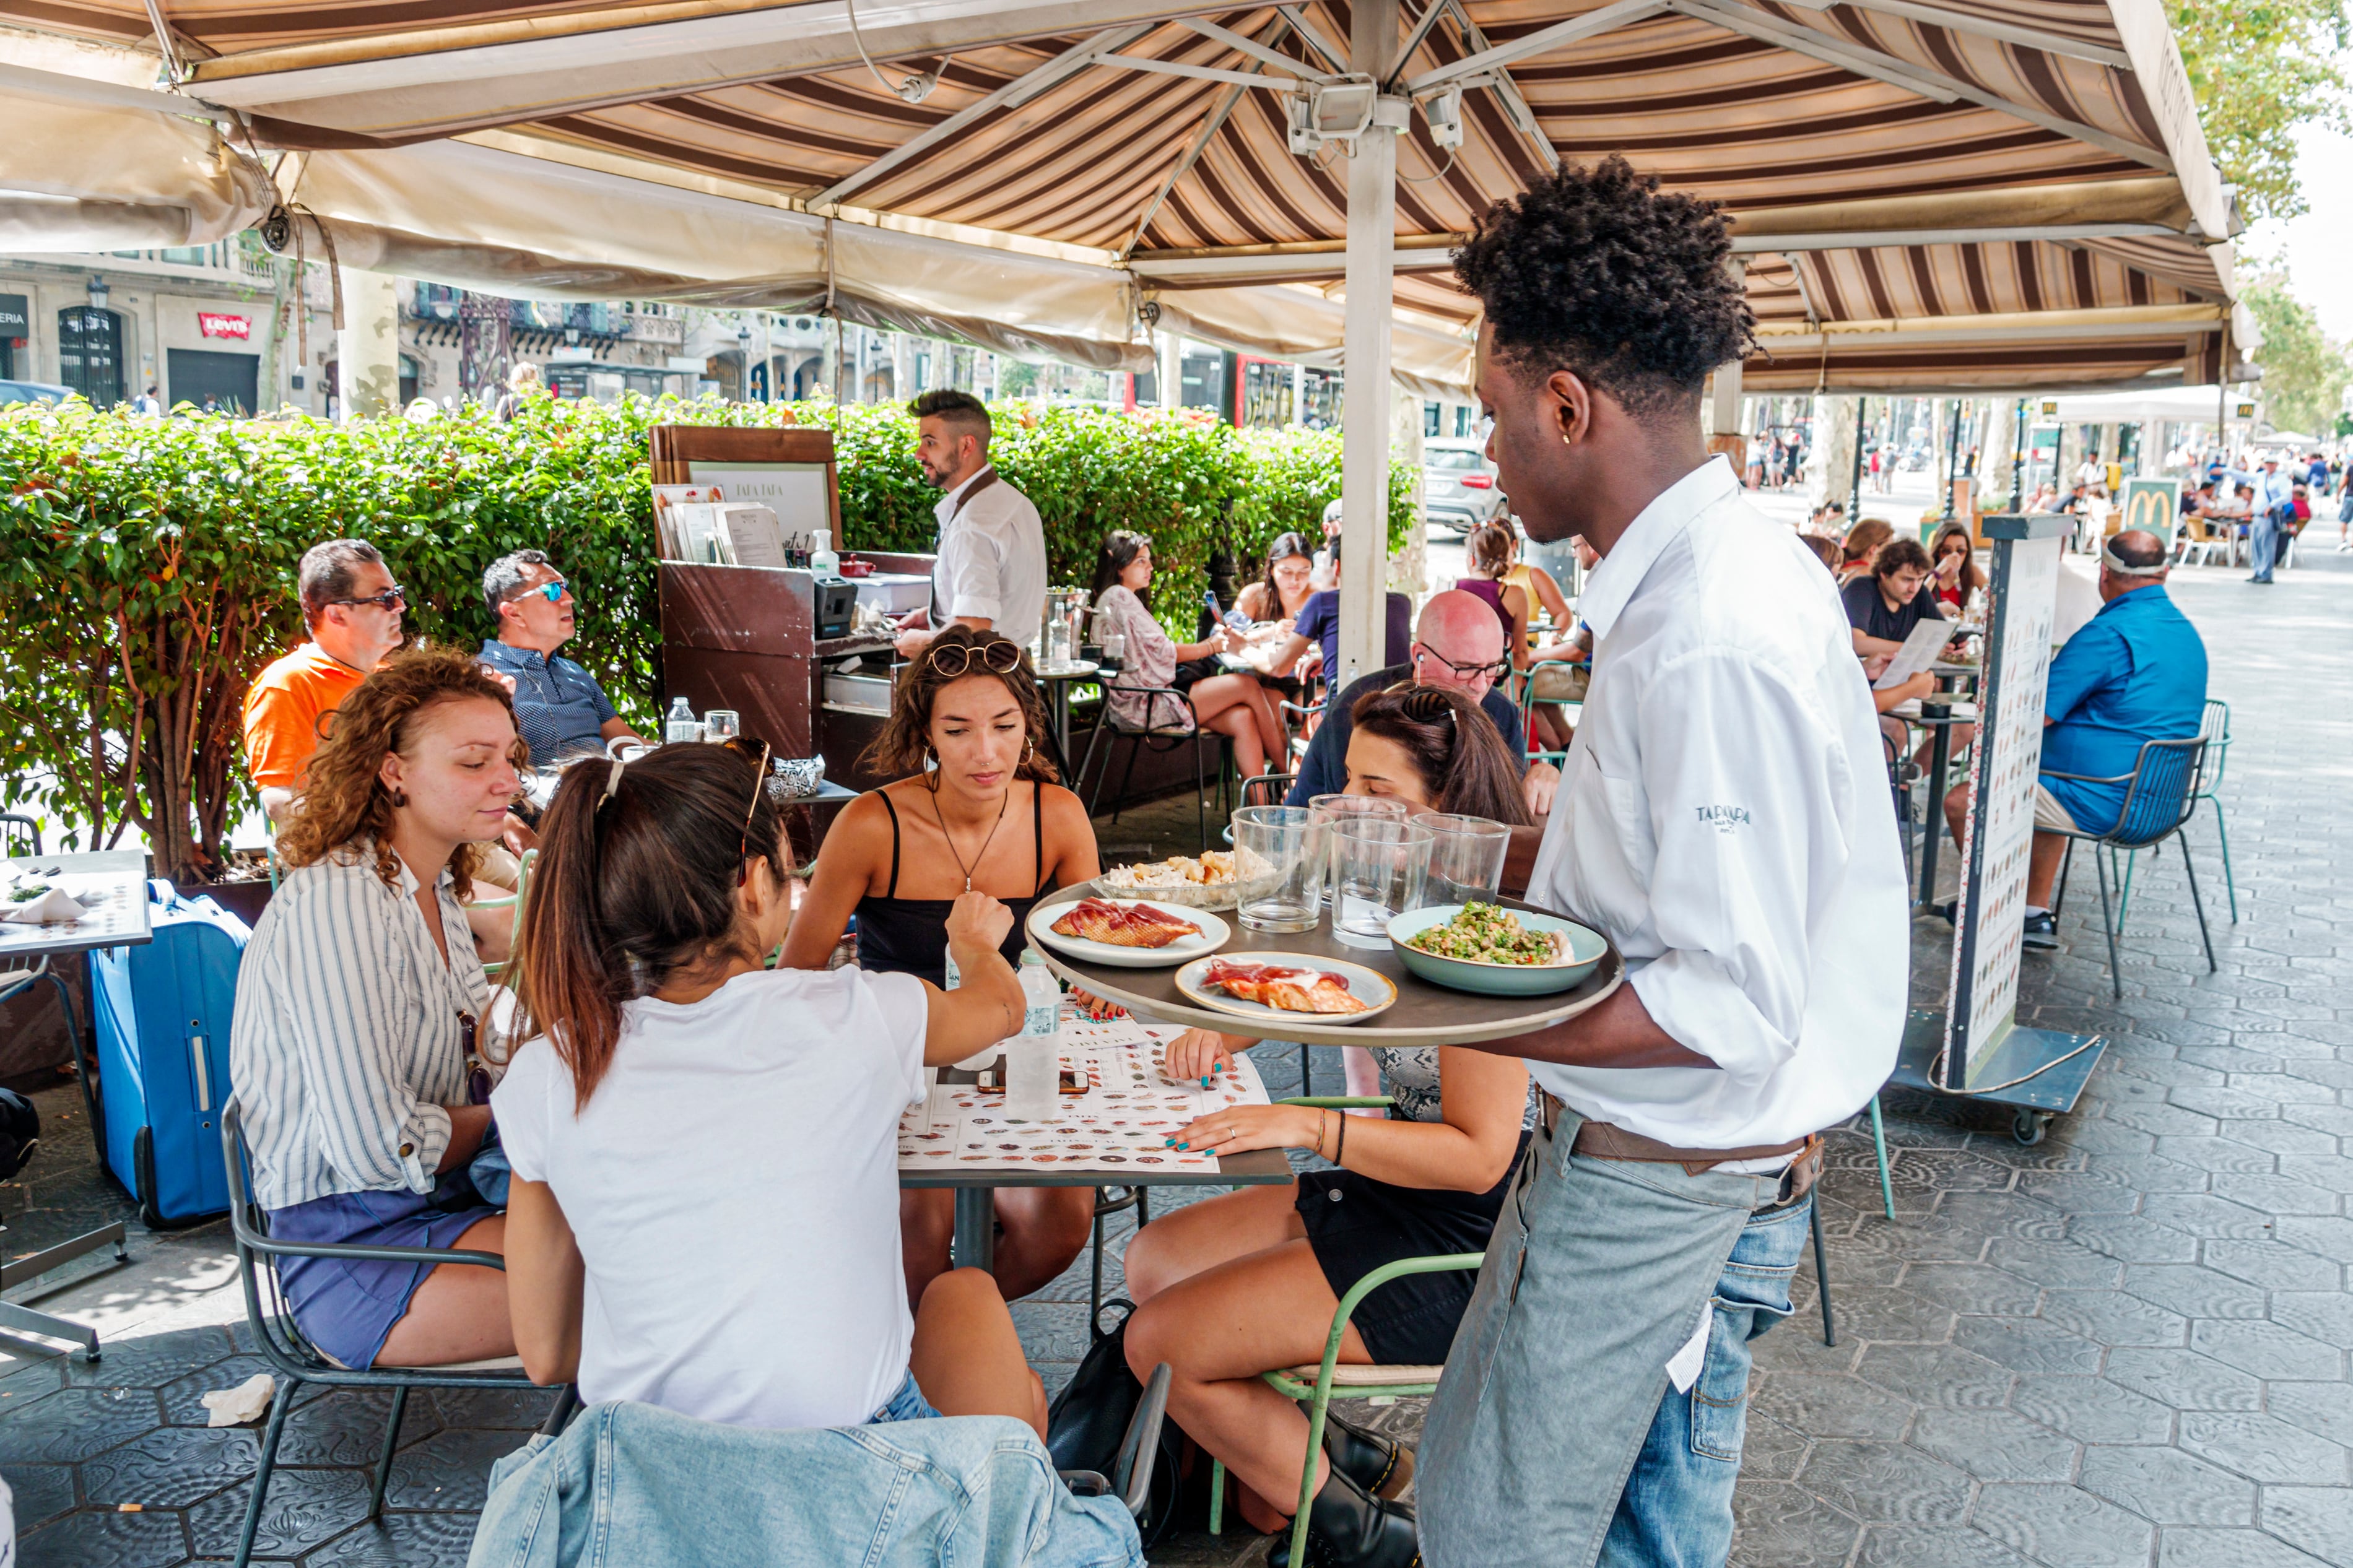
147, 566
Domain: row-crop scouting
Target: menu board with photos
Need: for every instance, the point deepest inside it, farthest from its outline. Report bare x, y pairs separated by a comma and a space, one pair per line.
1989, 923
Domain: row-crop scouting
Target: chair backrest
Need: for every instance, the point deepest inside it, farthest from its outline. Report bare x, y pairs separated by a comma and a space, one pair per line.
32, 829
2158, 797
1273, 787
2215, 730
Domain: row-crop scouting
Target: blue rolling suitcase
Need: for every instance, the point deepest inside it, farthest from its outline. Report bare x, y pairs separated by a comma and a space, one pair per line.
163, 1014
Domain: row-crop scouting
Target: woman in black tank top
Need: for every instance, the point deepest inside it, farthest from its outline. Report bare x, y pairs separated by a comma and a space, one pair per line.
974, 807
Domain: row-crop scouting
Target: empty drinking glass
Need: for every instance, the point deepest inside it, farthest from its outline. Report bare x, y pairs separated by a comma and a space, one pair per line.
722, 724
1466, 861
1381, 866
1332, 809
1278, 868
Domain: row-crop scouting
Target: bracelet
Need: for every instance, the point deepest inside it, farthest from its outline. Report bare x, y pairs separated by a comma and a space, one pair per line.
1340, 1153
1319, 1134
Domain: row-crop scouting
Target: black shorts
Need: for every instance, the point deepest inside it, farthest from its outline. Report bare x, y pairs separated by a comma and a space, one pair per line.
1356, 1224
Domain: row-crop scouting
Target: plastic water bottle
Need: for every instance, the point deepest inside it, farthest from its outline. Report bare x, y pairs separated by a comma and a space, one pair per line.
824, 564
682, 724
954, 976
1043, 995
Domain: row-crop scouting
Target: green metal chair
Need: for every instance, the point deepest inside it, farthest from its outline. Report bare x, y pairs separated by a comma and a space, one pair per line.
1527, 685
514, 901
2216, 732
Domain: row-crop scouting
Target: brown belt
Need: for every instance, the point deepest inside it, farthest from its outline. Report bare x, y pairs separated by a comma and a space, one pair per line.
1601, 1141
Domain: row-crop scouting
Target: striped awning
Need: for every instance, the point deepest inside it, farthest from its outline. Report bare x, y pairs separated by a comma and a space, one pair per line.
1897, 169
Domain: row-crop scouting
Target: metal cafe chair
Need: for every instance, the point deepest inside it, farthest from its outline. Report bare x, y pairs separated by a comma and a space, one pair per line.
1180, 724
1571, 676
297, 1359
2216, 731
2160, 796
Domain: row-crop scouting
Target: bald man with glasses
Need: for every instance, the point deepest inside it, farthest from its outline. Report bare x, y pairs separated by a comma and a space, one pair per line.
1458, 643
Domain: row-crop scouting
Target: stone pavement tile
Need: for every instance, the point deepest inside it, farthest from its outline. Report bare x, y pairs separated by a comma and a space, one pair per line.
148, 1360
2206, 1215
400, 1540
2114, 1318
1878, 1312
2063, 1527
1885, 1483
172, 1466
2274, 1266
2081, 1192
449, 1470
1995, 1444
42, 1492
2194, 1290
2268, 1350
1830, 1405
2264, 1448
2130, 1238
2168, 1486
1770, 1451
2184, 1379
72, 1423
2155, 1174
2094, 1410
2219, 1154
2318, 1519
331, 1427
2331, 1172
1781, 1525
2330, 1236
107, 1541
1974, 1288
2324, 1409
515, 1409
1981, 1213
2056, 1265
2280, 1137
2028, 1344
2182, 1548
1942, 1375
305, 1509
1910, 1546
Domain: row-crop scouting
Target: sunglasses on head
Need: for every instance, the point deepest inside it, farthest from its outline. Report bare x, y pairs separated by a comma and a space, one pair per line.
951, 659
746, 746
392, 598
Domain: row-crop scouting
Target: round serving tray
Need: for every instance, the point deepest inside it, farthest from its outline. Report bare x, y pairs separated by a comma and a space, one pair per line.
1425, 1015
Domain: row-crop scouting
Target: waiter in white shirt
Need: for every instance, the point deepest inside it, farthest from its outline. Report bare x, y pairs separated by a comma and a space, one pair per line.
1724, 819
991, 570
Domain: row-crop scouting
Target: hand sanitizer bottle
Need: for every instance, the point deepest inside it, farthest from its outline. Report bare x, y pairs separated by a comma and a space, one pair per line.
824, 564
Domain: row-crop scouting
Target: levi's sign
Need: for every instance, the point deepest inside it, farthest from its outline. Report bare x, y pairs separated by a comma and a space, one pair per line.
219, 326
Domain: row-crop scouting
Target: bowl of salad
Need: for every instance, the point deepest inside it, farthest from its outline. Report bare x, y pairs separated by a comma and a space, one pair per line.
1494, 951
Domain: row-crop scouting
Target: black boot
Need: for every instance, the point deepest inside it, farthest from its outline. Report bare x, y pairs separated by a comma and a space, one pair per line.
1347, 1527
1382, 1466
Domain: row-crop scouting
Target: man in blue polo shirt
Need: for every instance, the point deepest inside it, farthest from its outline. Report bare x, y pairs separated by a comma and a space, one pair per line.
2136, 672
559, 707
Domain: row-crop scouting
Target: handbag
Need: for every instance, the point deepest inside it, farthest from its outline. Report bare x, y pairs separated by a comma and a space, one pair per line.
1088, 1420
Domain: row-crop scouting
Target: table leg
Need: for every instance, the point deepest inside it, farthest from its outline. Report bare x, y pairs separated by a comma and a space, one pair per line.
976, 1228
1940, 757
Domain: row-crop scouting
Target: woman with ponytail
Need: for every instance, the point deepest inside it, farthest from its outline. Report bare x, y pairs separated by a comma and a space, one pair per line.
704, 1210
1236, 1285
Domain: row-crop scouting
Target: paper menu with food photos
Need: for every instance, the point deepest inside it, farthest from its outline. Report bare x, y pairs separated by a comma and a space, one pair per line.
1119, 1125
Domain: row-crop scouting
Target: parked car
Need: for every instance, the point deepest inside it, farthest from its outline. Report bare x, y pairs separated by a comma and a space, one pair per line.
33, 391
1459, 488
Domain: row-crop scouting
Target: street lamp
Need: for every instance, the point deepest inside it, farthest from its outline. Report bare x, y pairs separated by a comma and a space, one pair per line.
743, 358
98, 293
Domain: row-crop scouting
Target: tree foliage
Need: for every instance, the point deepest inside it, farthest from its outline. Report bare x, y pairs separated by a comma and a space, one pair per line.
2258, 70
2305, 373
147, 566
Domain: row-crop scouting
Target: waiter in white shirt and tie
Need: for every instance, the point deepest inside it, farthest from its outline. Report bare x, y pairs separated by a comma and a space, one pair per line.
1723, 817
991, 570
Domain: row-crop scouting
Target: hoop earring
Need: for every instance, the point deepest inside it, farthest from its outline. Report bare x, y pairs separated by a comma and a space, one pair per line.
1028, 749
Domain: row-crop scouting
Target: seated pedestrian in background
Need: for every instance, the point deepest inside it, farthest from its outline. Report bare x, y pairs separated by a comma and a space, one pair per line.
1232, 704
2135, 673
1884, 607
973, 807
1283, 592
1460, 646
1862, 542
706, 1150
1235, 1286
356, 1009
350, 609
1826, 550
1488, 555
1542, 590
558, 705
1318, 627
1955, 576
1550, 691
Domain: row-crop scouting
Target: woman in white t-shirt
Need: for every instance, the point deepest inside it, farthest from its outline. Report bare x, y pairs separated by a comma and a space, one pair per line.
705, 1207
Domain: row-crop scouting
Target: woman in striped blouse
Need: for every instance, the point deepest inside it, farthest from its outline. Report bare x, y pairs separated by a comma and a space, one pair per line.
355, 1015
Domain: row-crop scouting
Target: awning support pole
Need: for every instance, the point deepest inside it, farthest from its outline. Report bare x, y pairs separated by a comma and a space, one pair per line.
1364, 358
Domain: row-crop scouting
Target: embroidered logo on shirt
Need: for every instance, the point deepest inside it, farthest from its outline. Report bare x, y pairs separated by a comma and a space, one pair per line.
1724, 818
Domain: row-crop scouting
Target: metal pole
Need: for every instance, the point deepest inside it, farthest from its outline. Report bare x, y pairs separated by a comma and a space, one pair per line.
1855, 481
2017, 445
1365, 414
1952, 456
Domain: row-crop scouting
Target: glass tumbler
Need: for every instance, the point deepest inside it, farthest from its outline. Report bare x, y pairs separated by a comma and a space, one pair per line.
722, 724
1382, 869
1278, 868
1332, 809
1466, 862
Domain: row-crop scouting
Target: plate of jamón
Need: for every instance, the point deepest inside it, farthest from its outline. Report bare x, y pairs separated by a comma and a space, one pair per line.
1275, 986
1130, 933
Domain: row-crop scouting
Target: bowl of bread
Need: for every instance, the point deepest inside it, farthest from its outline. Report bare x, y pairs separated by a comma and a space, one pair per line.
1201, 882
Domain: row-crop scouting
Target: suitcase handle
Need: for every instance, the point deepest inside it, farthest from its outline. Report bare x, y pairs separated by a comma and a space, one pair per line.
196, 1056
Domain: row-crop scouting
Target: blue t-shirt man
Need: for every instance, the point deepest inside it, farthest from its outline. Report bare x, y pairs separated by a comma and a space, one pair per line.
2136, 672
1319, 622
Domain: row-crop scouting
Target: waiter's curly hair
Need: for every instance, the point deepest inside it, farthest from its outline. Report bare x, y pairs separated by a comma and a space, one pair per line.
343, 809
1597, 272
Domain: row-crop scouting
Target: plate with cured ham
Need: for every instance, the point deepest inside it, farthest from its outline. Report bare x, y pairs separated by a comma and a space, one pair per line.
1131, 933
1273, 987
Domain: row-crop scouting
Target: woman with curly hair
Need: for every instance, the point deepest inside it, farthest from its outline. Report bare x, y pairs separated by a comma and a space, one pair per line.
356, 1008
974, 809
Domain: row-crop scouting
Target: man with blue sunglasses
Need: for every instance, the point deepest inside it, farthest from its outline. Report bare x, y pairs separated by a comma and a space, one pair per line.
558, 705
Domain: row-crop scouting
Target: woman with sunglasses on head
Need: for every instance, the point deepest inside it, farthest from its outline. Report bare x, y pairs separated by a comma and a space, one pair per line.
1232, 704
705, 1150
356, 1005
975, 808
1236, 1285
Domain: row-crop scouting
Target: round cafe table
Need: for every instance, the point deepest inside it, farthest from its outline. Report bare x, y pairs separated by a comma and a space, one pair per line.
1056, 678
1425, 1015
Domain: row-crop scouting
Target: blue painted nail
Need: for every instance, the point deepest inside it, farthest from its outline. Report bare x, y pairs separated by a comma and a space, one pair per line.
1205, 1081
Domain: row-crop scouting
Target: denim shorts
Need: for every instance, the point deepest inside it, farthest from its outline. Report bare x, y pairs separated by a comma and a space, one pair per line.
907, 1405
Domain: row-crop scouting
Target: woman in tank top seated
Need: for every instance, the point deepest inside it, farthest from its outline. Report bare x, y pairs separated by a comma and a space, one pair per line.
975, 809
1239, 1285
1488, 554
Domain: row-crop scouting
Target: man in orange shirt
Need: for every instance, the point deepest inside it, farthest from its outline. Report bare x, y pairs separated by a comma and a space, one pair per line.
352, 608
